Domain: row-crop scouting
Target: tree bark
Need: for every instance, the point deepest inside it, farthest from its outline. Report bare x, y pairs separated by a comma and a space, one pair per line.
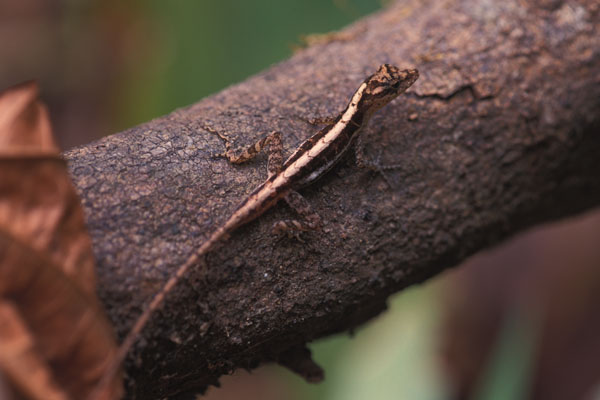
499, 133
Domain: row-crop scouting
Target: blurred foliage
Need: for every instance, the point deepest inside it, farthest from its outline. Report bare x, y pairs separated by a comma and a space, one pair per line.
199, 47
106, 65
392, 357
509, 371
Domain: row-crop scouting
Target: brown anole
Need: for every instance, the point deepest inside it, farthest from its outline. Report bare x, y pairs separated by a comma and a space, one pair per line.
313, 158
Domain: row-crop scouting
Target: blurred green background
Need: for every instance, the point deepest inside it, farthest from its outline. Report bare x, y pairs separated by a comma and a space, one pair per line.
200, 47
517, 322
107, 65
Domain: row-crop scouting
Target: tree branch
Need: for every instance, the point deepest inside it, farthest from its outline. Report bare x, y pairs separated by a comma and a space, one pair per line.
500, 133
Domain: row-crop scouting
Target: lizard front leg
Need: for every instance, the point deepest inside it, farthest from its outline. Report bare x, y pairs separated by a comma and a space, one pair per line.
275, 152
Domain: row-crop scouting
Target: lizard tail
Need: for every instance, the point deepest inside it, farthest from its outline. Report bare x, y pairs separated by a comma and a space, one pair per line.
142, 320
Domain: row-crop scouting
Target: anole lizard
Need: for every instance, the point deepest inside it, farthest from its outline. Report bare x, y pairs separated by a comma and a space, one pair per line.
313, 158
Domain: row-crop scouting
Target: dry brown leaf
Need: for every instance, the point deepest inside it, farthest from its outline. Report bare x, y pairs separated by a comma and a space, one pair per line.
55, 340
24, 123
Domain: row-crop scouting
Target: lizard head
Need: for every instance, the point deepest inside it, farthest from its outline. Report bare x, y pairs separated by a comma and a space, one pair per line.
385, 85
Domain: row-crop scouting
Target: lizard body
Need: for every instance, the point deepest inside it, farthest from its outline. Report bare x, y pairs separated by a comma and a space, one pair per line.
313, 158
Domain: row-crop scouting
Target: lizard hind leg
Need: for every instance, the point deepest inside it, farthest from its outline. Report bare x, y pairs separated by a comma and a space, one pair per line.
311, 220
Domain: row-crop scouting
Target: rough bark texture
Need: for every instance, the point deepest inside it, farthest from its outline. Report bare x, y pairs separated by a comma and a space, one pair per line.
499, 133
